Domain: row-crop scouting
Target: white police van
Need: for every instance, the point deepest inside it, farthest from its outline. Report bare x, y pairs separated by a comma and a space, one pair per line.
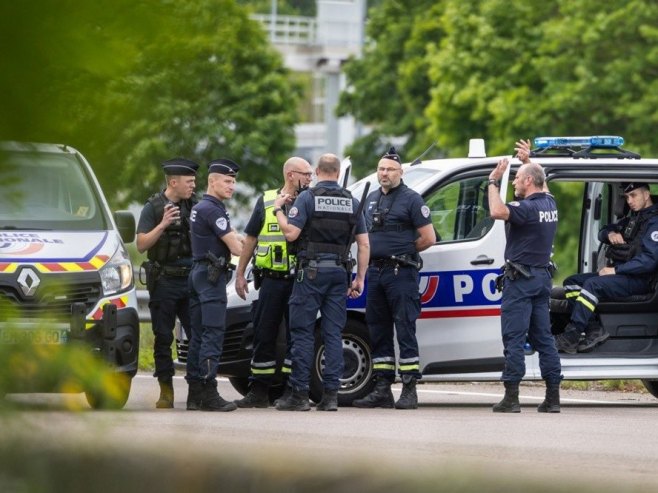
65, 274
459, 327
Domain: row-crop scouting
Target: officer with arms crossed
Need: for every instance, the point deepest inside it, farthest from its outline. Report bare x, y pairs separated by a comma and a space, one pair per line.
163, 230
399, 226
632, 255
326, 220
274, 267
532, 223
213, 242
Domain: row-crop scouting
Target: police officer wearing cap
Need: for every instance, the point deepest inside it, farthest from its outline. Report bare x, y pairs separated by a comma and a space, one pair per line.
532, 224
632, 258
326, 220
163, 231
400, 227
213, 243
274, 268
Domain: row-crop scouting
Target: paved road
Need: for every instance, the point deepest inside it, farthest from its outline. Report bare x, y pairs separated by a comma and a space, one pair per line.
604, 437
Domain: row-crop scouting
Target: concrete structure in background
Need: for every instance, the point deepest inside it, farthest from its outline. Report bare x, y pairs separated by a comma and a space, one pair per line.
319, 46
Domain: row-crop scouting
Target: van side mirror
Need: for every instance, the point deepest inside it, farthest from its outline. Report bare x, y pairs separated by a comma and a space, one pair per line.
126, 225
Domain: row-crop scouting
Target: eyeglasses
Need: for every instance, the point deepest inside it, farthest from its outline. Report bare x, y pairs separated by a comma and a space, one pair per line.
307, 175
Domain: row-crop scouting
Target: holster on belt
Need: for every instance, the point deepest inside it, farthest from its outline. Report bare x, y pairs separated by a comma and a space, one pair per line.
152, 272
216, 267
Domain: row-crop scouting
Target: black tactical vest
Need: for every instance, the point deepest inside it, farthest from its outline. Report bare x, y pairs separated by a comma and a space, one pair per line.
174, 242
328, 231
633, 232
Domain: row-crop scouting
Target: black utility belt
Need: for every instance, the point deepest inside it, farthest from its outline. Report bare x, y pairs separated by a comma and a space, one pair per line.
322, 263
176, 271
274, 274
396, 261
205, 261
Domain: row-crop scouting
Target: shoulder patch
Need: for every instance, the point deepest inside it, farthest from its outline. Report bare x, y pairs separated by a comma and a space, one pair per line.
654, 236
514, 204
221, 223
293, 212
425, 211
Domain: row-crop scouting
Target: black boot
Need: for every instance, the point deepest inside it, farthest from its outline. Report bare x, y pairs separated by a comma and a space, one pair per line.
510, 403
329, 401
212, 401
408, 398
166, 400
194, 394
258, 396
297, 400
551, 402
381, 396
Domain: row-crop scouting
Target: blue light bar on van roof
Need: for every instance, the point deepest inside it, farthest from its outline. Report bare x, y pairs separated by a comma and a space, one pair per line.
604, 141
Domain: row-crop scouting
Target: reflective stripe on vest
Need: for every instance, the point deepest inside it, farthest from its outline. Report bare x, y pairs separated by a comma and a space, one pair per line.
272, 250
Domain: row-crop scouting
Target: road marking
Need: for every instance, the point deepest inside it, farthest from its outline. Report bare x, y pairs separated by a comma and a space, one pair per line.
539, 398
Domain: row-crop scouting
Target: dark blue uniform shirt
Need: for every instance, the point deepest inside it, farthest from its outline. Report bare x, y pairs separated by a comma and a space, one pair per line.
646, 261
532, 226
403, 207
208, 223
304, 208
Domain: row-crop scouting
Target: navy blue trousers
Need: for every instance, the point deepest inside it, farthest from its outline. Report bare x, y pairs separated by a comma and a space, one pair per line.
208, 322
271, 309
169, 299
525, 313
584, 291
328, 294
393, 300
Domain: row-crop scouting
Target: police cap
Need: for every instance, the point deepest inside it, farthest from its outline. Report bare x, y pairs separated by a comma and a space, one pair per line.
223, 166
633, 185
180, 166
392, 154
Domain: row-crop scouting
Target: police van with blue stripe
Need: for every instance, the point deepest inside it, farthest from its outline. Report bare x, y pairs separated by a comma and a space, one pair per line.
459, 327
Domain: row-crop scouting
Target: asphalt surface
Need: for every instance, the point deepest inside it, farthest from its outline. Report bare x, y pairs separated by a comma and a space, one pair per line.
600, 437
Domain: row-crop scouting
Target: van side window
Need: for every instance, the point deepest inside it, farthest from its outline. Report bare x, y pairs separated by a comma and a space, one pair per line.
460, 210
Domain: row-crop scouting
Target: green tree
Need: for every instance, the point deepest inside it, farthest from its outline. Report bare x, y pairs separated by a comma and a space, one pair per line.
143, 81
389, 84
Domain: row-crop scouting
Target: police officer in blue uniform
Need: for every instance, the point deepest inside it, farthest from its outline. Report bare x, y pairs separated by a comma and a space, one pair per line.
400, 227
326, 220
632, 255
163, 231
213, 243
532, 223
274, 270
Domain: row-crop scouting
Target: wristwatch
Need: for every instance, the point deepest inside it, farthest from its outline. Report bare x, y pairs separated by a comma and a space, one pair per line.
277, 210
495, 183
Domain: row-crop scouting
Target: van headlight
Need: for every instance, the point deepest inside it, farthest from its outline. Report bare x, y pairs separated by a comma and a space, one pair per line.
117, 274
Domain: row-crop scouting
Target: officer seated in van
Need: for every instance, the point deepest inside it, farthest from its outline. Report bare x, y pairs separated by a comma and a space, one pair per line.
632, 262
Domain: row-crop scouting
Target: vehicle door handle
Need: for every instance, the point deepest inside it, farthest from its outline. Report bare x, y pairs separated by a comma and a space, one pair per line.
482, 260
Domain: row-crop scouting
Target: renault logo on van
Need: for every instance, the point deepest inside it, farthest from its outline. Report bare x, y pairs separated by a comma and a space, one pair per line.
28, 282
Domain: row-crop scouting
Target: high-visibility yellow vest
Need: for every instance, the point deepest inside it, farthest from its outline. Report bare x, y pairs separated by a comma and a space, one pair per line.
272, 250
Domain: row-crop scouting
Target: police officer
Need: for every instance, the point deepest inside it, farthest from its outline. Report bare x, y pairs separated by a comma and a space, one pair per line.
274, 267
399, 226
532, 224
163, 231
213, 243
632, 255
326, 220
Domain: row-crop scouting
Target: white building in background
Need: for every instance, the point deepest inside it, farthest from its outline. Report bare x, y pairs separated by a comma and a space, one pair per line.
318, 46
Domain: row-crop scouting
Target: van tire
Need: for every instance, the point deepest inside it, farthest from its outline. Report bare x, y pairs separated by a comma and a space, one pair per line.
357, 376
651, 386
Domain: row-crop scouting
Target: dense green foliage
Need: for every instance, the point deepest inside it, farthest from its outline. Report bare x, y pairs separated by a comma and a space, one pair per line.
139, 82
446, 70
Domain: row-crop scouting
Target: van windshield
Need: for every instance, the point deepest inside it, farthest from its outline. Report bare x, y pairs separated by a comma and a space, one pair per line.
47, 191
